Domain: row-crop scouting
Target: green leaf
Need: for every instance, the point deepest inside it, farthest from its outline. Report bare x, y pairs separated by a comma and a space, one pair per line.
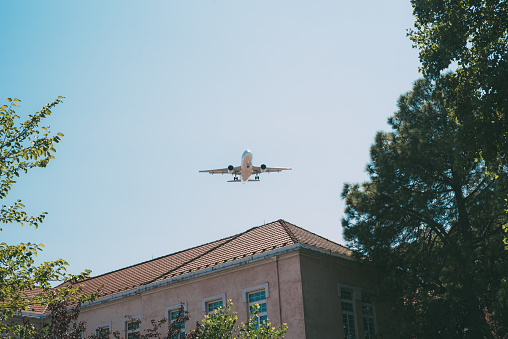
61, 97
4, 106
9, 99
60, 134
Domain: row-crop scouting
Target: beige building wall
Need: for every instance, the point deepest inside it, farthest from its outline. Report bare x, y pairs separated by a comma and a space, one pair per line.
284, 303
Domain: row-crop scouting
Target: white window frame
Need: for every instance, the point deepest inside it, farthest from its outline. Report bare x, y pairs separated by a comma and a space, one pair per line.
173, 308
126, 320
108, 324
206, 301
254, 289
247, 290
356, 294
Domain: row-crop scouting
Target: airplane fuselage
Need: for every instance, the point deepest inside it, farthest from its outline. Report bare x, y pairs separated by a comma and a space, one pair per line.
246, 169
246, 165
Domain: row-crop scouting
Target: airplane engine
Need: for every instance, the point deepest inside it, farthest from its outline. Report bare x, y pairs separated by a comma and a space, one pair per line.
263, 168
230, 169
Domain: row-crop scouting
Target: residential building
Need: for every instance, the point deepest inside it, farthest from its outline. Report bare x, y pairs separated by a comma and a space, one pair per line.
298, 278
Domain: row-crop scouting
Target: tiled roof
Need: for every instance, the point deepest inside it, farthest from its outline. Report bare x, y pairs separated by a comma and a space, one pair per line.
35, 308
257, 240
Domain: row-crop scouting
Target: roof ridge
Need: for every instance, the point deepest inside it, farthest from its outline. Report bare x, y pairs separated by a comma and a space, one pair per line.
233, 237
317, 235
290, 233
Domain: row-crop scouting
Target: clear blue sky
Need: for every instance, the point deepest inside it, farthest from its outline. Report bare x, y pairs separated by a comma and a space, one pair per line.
158, 90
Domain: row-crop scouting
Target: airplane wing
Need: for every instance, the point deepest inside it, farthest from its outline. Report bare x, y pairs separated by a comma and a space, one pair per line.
236, 171
257, 169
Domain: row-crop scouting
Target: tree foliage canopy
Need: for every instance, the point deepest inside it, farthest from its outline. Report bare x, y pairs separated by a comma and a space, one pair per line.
222, 323
474, 35
25, 285
430, 218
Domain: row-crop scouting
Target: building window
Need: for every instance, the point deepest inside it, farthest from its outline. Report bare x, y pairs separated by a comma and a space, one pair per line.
131, 326
173, 316
348, 314
211, 304
103, 330
368, 316
173, 312
258, 297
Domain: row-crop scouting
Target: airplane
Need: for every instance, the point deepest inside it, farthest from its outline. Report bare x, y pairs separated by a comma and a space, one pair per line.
245, 170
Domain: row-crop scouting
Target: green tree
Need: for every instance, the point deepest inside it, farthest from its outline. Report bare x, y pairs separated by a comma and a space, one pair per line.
222, 324
24, 284
430, 219
218, 325
472, 35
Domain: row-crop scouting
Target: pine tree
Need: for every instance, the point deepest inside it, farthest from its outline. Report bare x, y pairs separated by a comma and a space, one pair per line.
430, 219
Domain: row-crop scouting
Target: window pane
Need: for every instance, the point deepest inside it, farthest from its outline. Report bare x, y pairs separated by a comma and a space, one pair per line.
366, 309
262, 319
345, 294
211, 306
262, 308
368, 325
349, 326
173, 315
179, 327
348, 307
257, 296
102, 332
132, 325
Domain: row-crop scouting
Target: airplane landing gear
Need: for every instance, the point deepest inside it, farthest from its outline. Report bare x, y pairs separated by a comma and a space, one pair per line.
256, 177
